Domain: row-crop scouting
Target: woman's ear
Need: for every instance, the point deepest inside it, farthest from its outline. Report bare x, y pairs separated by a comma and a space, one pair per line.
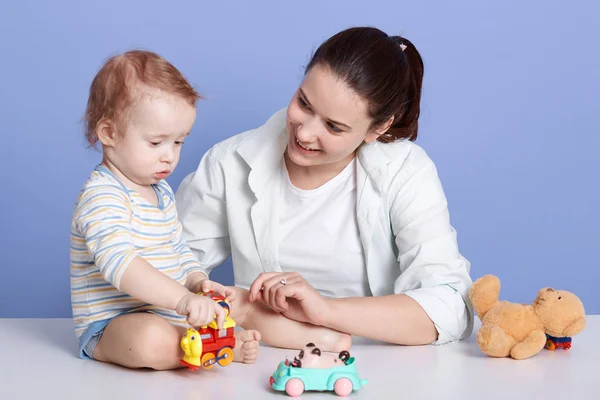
379, 130
105, 130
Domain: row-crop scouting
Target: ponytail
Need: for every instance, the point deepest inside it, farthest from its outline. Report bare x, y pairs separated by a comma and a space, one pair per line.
406, 118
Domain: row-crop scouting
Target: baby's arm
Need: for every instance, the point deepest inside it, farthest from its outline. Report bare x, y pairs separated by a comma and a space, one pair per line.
145, 283
103, 220
279, 331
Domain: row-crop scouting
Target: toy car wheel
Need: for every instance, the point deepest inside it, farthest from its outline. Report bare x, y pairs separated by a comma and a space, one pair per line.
208, 361
225, 356
294, 387
343, 387
550, 345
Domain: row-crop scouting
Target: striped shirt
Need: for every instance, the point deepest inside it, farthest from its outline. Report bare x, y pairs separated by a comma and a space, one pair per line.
111, 226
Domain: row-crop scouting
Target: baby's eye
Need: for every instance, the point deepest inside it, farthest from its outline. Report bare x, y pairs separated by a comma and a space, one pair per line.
179, 142
154, 143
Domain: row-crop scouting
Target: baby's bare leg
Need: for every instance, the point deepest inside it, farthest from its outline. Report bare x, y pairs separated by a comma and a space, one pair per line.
141, 340
279, 331
144, 340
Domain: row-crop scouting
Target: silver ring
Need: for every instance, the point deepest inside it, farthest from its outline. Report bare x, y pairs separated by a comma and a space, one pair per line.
283, 282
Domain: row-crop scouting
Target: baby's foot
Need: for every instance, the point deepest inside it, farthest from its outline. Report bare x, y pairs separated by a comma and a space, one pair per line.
246, 346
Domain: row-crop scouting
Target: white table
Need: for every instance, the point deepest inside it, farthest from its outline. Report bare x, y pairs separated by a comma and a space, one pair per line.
39, 360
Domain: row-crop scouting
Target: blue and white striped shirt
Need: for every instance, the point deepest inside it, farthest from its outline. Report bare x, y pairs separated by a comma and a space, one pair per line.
111, 226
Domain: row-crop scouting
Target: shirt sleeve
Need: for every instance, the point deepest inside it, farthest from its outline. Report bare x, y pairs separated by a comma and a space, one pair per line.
433, 272
103, 218
200, 201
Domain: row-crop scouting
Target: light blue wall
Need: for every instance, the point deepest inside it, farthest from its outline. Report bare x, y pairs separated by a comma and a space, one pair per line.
510, 115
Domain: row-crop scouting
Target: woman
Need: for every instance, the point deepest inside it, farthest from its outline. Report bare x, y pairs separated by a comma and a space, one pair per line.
333, 216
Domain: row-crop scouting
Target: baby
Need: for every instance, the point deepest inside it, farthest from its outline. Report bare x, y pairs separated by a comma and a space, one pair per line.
133, 278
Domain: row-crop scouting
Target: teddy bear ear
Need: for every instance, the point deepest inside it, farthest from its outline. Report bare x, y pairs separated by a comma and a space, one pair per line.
576, 327
544, 290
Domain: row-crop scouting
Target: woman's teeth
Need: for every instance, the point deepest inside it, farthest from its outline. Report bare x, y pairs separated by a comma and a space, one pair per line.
305, 148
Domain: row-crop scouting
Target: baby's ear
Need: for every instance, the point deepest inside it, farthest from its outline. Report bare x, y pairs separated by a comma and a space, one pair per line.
576, 327
105, 130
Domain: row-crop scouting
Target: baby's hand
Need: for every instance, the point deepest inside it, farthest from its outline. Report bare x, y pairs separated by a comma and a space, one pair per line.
200, 310
207, 285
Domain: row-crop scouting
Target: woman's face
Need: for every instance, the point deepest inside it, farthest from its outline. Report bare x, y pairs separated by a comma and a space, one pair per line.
326, 121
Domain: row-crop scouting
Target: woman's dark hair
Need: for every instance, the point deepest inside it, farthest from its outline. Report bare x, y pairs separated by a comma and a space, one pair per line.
385, 70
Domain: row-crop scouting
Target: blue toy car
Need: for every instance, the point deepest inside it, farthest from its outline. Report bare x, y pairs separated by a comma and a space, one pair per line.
342, 379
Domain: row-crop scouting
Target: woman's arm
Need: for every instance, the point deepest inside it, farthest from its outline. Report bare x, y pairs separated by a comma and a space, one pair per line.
394, 319
430, 304
279, 331
433, 272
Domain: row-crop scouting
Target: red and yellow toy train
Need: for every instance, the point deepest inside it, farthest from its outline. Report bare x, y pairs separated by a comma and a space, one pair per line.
209, 345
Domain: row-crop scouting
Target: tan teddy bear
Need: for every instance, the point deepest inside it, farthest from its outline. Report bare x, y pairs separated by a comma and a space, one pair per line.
522, 330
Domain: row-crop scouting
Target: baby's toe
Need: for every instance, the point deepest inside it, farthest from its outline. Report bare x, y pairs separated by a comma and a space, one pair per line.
253, 344
250, 358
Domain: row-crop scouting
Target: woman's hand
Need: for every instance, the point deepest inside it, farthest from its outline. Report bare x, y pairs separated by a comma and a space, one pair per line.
291, 295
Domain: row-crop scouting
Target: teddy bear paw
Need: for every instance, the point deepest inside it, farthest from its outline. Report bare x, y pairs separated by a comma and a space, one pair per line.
493, 341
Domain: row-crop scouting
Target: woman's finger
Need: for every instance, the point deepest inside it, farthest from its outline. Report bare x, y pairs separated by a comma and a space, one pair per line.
258, 283
268, 289
280, 300
273, 295
277, 295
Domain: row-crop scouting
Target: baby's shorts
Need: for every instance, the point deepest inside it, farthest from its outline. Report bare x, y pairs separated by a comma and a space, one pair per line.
90, 338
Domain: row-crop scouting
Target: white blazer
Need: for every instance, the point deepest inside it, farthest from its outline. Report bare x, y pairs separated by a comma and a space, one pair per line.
410, 247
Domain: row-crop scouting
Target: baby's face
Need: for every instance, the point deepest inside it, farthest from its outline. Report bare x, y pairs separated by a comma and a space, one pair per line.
147, 148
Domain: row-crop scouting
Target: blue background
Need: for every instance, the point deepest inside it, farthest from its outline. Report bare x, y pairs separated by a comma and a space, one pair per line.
510, 116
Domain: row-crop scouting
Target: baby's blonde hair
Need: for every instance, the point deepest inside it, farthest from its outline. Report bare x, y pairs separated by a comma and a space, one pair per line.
113, 90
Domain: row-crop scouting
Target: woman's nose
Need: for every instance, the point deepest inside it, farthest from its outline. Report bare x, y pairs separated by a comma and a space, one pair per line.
306, 133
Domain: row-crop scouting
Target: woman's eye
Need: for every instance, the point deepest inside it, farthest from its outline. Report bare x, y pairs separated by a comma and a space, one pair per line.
303, 103
333, 128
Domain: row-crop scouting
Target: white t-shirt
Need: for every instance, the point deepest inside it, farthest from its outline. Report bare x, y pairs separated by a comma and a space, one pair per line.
319, 237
